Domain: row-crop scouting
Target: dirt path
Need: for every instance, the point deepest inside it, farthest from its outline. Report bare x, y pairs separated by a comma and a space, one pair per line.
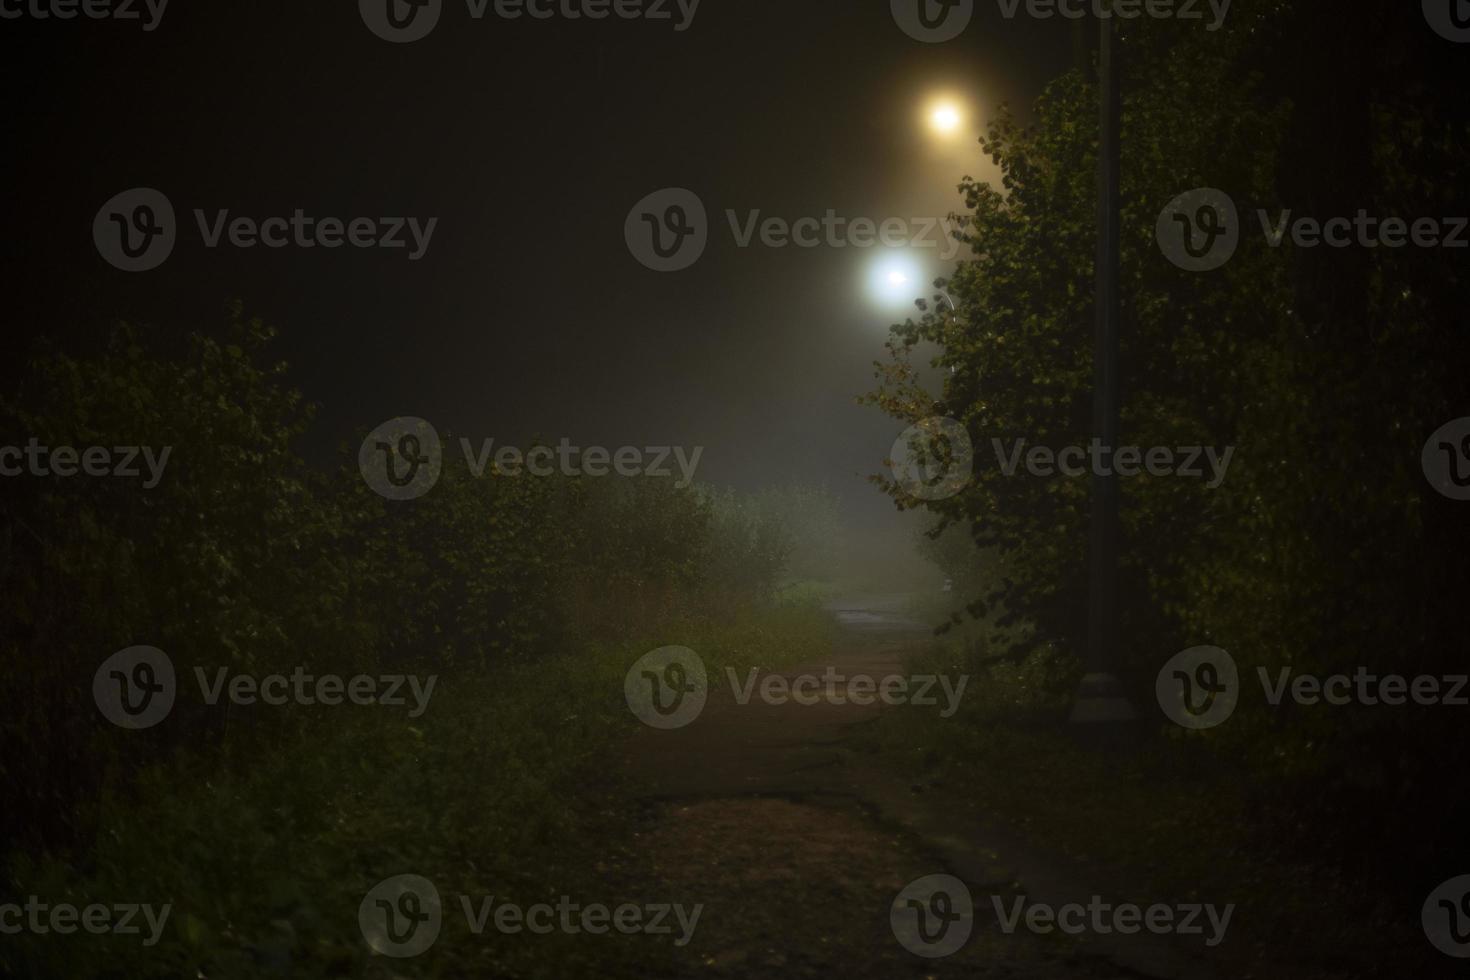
799, 847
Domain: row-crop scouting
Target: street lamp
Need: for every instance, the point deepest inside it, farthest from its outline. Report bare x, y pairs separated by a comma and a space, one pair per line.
891, 279
1101, 702
945, 118
944, 114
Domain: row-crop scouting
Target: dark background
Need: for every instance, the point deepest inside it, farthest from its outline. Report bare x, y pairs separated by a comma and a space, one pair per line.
530, 140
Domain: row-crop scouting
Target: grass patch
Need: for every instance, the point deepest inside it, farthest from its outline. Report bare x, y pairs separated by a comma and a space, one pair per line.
266, 846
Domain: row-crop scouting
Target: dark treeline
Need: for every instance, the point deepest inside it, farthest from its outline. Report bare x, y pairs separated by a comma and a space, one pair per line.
244, 556
1325, 549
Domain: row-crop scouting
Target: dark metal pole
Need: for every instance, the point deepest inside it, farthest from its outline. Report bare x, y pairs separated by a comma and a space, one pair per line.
1100, 699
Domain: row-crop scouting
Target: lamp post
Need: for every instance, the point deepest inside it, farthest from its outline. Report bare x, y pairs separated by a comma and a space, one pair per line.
1100, 697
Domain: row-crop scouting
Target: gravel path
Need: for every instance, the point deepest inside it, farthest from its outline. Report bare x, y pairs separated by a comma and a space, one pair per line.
765, 814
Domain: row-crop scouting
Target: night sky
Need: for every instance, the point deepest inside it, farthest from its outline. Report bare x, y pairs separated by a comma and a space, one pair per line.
529, 141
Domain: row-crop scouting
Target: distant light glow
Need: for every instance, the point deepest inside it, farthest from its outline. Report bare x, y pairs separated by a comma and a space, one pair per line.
894, 280
945, 118
944, 114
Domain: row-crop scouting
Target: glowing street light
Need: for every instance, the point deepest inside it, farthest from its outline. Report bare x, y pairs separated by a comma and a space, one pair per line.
893, 280
945, 118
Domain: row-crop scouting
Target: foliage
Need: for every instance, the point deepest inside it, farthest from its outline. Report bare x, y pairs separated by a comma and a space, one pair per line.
1324, 549
245, 557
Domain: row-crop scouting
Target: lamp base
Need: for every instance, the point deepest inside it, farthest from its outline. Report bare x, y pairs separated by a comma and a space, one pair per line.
1101, 701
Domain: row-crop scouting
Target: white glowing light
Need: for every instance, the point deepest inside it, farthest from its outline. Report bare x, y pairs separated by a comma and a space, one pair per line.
945, 118
893, 280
